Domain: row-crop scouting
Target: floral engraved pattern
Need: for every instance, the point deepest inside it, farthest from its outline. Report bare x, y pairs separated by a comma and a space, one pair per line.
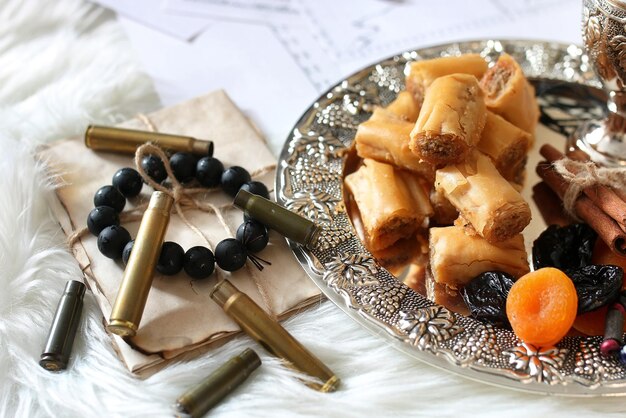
336, 116
427, 328
317, 206
592, 28
390, 77
479, 345
313, 173
382, 301
351, 270
312, 144
540, 364
618, 43
592, 365
331, 236
359, 98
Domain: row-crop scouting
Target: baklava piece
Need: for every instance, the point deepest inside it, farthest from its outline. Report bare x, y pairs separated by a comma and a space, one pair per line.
456, 258
509, 94
484, 198
405, 107
444, 212
392, 204
451, 120
423, 73
385, 138
441, 294
505, 144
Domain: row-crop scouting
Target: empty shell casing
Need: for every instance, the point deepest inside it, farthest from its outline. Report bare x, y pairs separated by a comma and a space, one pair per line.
622, 299
106, 138
613, 330
139, 272
206, 394
58, 347
276, 217
271, 335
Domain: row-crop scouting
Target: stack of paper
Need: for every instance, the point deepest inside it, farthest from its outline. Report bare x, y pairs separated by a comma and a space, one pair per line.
274, 57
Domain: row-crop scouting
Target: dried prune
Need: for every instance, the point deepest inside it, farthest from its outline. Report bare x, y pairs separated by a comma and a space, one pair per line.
566, 248
485, 296
596, 285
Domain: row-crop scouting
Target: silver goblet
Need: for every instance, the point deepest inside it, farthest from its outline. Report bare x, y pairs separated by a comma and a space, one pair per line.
604, 36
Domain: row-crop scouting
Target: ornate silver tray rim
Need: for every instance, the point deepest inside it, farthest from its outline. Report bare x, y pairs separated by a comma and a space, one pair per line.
309, 182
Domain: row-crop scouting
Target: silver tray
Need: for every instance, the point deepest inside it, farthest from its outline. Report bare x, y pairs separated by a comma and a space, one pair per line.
309, 182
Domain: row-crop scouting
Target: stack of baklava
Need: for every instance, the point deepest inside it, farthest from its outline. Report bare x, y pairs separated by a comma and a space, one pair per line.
437, 187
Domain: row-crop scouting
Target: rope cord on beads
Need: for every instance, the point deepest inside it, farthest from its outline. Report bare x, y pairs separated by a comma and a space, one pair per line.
186, 199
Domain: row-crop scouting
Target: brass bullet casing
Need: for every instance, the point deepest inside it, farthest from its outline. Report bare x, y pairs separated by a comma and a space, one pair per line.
139, 272
271, 335
276, 217
58, 347
106, 138
210, 391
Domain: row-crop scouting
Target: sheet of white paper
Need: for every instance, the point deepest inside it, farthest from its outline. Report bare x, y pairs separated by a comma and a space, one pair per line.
275, 70
259, 11
248, 61
149, 13
359, 34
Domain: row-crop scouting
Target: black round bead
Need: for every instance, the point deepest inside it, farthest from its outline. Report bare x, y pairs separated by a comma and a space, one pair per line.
126, 251
112, 240
171, 258
199, 262
184, 166
233, 179
128, 181
209, 171
230, 254
256, 187
247, 218
154, 167
253, 235
111, 197
101, 217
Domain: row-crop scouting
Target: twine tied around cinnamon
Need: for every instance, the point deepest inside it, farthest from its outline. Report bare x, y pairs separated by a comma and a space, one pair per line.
583, 174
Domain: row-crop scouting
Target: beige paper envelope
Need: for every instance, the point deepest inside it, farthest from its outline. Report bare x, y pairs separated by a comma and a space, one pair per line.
179, 315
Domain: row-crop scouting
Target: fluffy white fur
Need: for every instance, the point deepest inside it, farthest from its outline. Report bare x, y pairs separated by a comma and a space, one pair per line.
64, 64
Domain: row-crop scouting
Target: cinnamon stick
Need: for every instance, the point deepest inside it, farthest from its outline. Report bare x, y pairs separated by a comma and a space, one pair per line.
578, 155
549, 205
608, 230
603, 196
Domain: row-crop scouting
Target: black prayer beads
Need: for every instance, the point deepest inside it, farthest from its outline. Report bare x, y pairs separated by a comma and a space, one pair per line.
101, 217
112, 240
199, 262
128, 181
115, 242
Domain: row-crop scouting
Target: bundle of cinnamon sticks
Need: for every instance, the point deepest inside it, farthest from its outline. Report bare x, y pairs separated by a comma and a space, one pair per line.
600, 206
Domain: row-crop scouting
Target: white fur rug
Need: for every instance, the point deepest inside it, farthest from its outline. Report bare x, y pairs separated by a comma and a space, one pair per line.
64, 64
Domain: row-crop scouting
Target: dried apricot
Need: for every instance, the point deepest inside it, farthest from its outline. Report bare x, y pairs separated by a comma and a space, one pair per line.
541, 306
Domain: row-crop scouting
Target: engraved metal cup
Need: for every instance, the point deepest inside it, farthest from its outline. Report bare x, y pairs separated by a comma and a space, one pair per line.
604, 36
